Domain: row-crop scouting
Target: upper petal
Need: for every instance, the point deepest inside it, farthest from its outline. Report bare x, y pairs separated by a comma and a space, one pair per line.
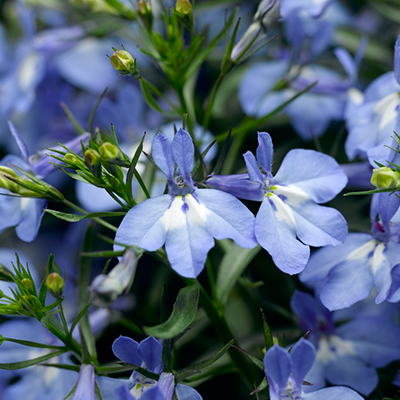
162, 155
317, 174
265, 151
183, 152
126, 349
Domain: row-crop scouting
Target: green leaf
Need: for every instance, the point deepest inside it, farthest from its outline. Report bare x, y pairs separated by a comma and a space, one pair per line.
78, 318
234, 262
28, 363
253, 359
269, 341
67, 367
183, 314
76, 218
103, 253
260, 387
32, 344
195, 368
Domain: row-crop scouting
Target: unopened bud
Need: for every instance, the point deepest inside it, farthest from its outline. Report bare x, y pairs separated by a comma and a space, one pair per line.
28, 285
122, 61
5, 181
183, 7
109, 151
55, 284
92, 161
71, 159
5, 275
385, 177
144, 9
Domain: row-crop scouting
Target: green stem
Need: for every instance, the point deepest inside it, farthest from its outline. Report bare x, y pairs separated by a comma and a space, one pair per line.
211, 280
97, 219
69, 342
207, 115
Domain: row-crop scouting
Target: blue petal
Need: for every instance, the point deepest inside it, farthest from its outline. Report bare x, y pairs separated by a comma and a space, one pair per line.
184, 392
320, 177
188, 240
333, 393
275, 231
265, 151
352, 372
278, 366
143, 225
394, 291
85, 386
122, 393
303, 356
21, 144
183, 152
126, 349
252, 167
150, 350
375, 339
162, 155
227, 217
348, 282
358, 174
317, 225
322, 261
397, 59
32, 213
166, 384
237, 185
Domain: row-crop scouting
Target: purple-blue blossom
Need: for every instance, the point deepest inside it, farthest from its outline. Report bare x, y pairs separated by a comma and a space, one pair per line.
290, 219
285, 373
186, 219
347, 274
347, 353
372, 116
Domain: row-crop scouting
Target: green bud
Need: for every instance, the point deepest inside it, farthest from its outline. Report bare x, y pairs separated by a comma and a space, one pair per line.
5, 275
122, 61
385, 177
92, 161
28, 285
110, 152
184, 7
55, 284
144, 9
5, 181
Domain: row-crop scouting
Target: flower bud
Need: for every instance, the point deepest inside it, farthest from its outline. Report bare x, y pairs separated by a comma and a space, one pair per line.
122, 61
5, 181
105, 289
28, 285
55, 284
184, 7
144, 9
5, 275
92, 161
385, 177
109, 151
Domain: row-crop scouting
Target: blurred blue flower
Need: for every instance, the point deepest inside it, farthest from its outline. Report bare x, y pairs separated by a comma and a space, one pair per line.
347, 354
285, 373
373, 116
85, 385
347, 274
187, 219
290, 219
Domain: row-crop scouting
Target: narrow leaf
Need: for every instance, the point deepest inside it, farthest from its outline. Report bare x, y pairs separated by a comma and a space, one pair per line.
253, 359
28, 363
183, 314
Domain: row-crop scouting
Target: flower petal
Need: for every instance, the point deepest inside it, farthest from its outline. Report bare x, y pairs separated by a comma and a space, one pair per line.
162, 155
317, 174
126, 349
275, 231
252, 167
227, 217
183, 152
333, 393
265, 151
150, 350
303, 356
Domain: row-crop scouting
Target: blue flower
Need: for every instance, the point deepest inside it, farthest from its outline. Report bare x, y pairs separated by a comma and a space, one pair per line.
85, 385
285, 373
187, 219
347, 354
148, 355
372, 117
289, 202
347, 274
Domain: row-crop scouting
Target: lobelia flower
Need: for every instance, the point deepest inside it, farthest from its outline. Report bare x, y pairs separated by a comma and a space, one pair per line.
349, 353
148, 355
289, 219
285, 373
85, 385
105, 289
372, 117
186, 219
347, 274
